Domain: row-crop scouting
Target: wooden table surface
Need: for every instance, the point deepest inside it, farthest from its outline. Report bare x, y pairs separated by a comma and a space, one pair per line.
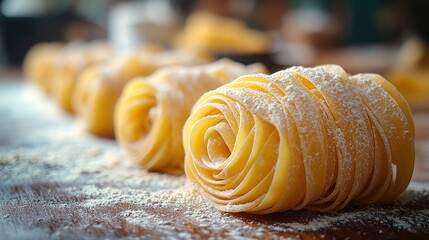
57, 182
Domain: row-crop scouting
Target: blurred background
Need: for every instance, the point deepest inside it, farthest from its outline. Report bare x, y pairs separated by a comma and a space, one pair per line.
383, 36
320, 27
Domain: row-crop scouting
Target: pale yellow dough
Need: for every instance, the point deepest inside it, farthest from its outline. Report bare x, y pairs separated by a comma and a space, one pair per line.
312, 138
207, 32
410, 75
413, 84
151, 111
99, 87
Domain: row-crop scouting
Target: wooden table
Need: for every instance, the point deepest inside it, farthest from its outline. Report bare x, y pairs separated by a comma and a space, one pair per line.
57, 182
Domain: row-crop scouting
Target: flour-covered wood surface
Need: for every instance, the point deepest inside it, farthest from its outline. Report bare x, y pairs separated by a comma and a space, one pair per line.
57, 182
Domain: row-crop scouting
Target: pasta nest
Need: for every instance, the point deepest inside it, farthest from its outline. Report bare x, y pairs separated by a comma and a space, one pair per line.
314, 138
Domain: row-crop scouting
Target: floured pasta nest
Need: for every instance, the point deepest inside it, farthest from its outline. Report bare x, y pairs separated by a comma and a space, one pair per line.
312, 138
151, 112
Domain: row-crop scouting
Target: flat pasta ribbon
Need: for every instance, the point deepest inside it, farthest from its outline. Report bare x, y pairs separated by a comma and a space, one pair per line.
312, 138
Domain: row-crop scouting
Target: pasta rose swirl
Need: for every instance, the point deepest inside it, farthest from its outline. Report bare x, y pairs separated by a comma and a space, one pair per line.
151, 111
312, 138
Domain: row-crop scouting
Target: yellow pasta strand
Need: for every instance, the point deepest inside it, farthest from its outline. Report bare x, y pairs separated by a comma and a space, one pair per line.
312, 138
151, 111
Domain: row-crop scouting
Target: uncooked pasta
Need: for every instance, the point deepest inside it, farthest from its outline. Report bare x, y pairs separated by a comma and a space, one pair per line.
314, 138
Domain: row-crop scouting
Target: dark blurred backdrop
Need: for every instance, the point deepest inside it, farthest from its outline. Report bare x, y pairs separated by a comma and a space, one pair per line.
325, 24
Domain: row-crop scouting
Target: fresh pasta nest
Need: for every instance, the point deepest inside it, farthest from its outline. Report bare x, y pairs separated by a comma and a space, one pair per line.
312, 138
150, 114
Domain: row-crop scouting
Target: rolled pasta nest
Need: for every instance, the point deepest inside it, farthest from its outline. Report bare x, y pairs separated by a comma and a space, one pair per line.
312, 138
151, 111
